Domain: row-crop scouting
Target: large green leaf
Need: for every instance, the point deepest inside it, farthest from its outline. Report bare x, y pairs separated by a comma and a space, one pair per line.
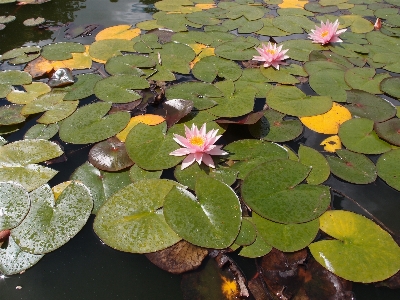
82, 88
51, 223
365, 79
292, 101
13, 260
14, 204
21, 55
101, 184
132, 219
352, 167
370, 253
388, 166
286, 237
149, 147
208, 68
41, 131
389, 131
391, 86
104, 49
89, 125
250, 149
212, 220
272, 190
320, 170
358, 136
331, 83
61, 51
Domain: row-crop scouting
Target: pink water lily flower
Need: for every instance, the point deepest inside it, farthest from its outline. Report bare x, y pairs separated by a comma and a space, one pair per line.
327, 33
198, 146
271, 55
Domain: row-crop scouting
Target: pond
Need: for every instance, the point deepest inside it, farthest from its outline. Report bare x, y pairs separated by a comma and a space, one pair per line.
86, 267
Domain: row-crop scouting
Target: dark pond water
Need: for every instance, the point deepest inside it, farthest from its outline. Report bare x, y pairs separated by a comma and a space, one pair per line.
85, 268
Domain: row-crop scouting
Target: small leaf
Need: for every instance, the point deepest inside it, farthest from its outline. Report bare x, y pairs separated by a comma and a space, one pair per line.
389, 169
320, 170
14, 204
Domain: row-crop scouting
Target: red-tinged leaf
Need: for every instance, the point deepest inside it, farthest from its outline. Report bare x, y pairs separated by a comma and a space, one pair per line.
248, 119
176, 109
125, 106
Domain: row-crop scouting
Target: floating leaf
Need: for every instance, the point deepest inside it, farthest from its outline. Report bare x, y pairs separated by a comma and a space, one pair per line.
12, 77
41, 131
208, 68
102, 185
79, 61
82, 88
49, 223
292, 101
352, 167
129, 64
21, 55
101, 51
212, 220
388, 168
238, 49
148, 119
366, 105
176, 109
123, 32
272, 190
389, 131
369, 250
358, 24
11, 114
33, 21
6, 19
14, 204
328, 122
332, 143
330, 82
39, 67
136, 174
286, 237
61, 51
391, 86
247, 234
132, 219
13, 260
365, 79
320, 170
358, 136
243, 25
249, 149
33, 90
300, 49
89, 125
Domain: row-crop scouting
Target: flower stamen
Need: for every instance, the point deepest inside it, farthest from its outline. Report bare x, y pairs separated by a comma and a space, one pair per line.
197, 141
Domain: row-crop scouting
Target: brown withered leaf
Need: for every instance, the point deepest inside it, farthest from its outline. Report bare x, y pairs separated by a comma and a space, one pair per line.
38, 67
125, 106
176, 109
248, 119
258, 289
110, 155
178, 258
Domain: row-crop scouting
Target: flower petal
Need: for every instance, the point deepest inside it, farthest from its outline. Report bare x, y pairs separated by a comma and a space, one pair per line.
207, 160
188, 161
180, 152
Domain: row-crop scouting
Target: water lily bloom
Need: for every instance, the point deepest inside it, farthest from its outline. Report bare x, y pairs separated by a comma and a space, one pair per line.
327, 33
198, 146
271, 55
378, 24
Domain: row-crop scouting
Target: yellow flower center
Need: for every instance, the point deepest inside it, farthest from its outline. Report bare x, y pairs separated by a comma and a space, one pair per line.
197, 141
324, 33
271, 51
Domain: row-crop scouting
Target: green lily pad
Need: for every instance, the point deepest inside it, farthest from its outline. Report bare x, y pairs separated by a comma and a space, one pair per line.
30, 176
352, 167
174, 22
272, 127
51, 223
129, 64
389, 131
247, 234
365, 79
11, 114
371, 253
9, 18
243, 25
58, 112
280, 76
270, 30
208, 68
259, 248
61, 51
82, 88
212, 220
89, 125
319, 62
318, 8
358, 136
41, 131
189, 175
136, 174
202, 94
24, 152
320, 170
238, 49
249, 149
14, 77
292, 101
13, 260
202, 18
104, 49
33, 90
14, 204
253, 77
21, 55
358, 23
366, 105
33, 21
273, 190
286, 237
43, 103
149, 147
132, 219
249, 12
293, 24
120, 88
391, 86
193, 37
330, 83
388, 166
300, 49
101, 184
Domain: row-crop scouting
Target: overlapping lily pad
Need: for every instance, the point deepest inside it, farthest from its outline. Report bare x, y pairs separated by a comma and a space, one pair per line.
320, 170
132, 219
61, 51
388, 168
21, 55
208, 68
14, 204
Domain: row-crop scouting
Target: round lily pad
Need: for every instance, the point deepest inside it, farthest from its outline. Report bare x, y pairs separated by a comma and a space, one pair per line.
212, 220
250, 149
366, 105
14, 77
11, 114
136, 173
388, 166
273, 190
257, 249
320, 170
286, 237
129, 64
247, 234
292, 101
13, 260
352, 167
371, 252
365, 79
50, 223
237, 49
89, 125
331, 83
61, 51
41, 131
208, 68
14, 204
104, 49
132, 219
358, 136
82, 88
33, 21
391, 86
21, 55
389, 131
